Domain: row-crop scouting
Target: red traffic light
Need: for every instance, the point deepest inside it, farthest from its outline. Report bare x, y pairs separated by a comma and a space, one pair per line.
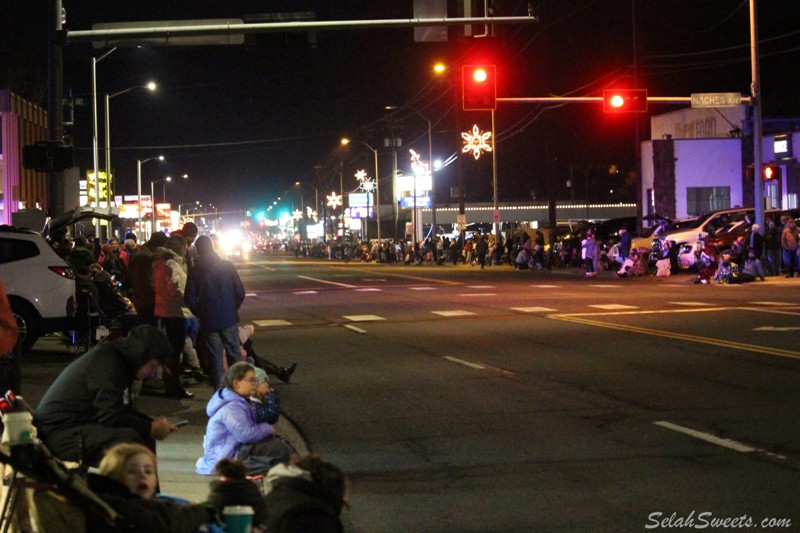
479, 87
625, 101
771, 172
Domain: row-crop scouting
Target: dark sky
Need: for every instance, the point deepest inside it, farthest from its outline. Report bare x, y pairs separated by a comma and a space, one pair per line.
246, 122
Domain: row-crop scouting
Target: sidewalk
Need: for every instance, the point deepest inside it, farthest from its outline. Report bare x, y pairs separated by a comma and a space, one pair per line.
178, 453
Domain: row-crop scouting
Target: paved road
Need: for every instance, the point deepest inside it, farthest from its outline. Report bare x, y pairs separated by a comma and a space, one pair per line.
496, 400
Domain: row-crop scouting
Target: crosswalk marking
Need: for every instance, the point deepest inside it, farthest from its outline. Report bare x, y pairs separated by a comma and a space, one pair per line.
533, 309
363, 318
614, 307
272, 323
456, 312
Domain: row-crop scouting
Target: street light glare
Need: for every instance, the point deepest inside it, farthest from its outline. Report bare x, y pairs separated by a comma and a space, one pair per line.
151, 86
439, 68
345, 141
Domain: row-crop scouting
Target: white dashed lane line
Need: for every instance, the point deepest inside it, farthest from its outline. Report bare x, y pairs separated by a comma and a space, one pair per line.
614, 307
534, 309
455, 312
363, 318
271, 323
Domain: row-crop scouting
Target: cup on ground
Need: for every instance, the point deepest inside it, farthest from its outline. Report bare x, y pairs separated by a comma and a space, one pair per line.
238, 518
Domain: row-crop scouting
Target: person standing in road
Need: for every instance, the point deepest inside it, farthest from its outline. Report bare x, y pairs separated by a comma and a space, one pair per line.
789, 246
589, 253
214, 293
624, 248
772, 248
481, 249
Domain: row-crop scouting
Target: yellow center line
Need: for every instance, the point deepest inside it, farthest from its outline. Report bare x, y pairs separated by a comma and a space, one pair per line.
578, 319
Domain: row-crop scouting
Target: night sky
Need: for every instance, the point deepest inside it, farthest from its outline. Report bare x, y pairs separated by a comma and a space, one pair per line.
246, 122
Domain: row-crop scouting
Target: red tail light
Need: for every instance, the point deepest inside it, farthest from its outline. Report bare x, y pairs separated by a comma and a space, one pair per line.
63, 271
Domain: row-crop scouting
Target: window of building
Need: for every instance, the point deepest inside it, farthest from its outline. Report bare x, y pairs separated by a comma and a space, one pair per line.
701, 200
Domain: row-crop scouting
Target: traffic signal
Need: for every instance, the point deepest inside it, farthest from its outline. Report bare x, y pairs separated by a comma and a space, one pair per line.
625, 101
771, 172
47, 156
479, 87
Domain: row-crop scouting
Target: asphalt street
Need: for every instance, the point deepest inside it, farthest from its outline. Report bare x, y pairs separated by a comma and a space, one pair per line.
496, 400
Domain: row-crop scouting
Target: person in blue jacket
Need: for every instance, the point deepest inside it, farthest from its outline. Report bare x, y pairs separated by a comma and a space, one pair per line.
233, 432
214, 293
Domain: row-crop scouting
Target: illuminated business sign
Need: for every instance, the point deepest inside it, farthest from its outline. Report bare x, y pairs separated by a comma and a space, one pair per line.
360, 212
361, 199
782, 146
407, 202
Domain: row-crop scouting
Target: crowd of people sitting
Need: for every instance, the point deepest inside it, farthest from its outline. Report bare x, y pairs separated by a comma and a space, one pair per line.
183, 295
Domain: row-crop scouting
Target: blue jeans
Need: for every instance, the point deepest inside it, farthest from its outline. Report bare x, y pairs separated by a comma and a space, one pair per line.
790, 260
218, 341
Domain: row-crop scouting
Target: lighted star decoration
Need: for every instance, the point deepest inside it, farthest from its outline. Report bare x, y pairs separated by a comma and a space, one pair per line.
311, 213
365, 183
297, 214
475, 142
421, 168
361, 175
334, 200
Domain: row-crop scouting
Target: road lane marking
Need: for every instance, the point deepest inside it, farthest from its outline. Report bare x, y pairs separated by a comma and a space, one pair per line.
690, 304
304, 292
271, 323
345, 285
777, 304
480, 286
357, 330
465, 363
533, 309
422, 288
479, 294
363, 318
369, 289
605, 286
547, 286
614, 307
250, 294
453, 313
406, 276
578, 319
713, 439
777, 328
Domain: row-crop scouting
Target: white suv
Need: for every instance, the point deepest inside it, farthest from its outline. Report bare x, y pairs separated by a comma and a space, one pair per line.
40, 284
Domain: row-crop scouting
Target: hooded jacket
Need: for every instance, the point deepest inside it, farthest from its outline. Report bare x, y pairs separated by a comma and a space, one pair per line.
214, 292
91, 389
231, 424
169, 280
295, 503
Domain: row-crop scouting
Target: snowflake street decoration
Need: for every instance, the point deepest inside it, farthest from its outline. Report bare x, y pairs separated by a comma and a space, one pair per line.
297, 214
366, 184
475, 142
421, 168
334, 200
311, 213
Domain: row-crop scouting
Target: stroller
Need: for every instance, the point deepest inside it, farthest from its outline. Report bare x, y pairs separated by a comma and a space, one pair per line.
103, 312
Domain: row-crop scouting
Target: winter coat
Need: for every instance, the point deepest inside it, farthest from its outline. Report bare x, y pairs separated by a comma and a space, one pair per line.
153, 515
214, 292
231, 423
169, 280
295, 504
91, 389
789, 238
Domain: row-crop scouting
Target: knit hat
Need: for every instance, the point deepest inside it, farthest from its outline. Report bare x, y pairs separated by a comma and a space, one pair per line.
261, 376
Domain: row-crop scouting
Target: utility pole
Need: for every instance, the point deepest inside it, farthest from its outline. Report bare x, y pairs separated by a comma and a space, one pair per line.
55, 105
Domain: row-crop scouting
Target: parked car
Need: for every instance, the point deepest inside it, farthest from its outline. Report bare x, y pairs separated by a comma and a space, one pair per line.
40, 284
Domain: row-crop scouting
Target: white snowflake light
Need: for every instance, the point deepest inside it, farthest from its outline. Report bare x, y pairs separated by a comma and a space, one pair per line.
297, 214
361, 175
311, 213
334, 200
475, 142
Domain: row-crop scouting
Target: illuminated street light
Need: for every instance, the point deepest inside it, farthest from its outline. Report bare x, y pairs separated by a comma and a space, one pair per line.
139, 163
153, 199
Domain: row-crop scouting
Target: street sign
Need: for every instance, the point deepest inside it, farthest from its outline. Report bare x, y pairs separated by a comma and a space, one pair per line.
716, 99
461, 222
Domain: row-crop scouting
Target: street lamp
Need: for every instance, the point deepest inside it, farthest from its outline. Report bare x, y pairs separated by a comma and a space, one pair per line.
345, 142
430, 166
139, 163
153, 199
151, 86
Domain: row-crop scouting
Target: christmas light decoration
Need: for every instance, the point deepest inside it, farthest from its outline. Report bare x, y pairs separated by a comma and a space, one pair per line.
475, 142
334, 200
311, 213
